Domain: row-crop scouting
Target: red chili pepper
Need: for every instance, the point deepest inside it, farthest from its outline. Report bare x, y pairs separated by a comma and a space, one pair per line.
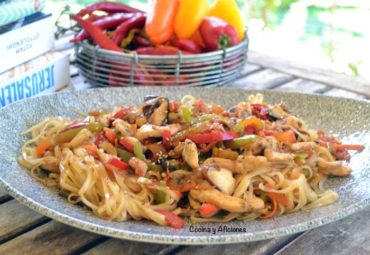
110, 7
138, 20
118, 79
97, 34
217, 34
171, 218
119, 164
162, 50
260, 111
213, 136
188, 45
107, 22
140, 41
171, 81
166, 139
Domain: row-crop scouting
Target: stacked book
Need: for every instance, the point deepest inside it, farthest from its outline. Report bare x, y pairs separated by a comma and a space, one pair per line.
28, 66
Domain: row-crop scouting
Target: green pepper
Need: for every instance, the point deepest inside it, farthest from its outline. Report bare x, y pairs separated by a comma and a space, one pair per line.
124, 155
241, 142
160, 196
138, 151
186, 115
301, 155
69, 134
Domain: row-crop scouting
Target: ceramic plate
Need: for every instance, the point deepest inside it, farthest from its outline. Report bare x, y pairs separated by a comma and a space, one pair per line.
349, 119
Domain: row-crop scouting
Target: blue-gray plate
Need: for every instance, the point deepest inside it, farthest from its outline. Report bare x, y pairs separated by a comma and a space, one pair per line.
349, 119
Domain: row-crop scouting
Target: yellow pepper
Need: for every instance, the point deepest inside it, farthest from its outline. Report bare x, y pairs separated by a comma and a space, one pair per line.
189, 16
229, 11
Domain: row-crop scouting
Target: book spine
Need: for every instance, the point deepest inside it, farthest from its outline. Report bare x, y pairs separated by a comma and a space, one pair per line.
25, 43
49, 77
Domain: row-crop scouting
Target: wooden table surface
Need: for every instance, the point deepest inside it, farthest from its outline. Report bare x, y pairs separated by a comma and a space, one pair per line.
23, 231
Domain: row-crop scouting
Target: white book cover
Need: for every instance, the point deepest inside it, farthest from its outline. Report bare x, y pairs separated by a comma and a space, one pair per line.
25, 40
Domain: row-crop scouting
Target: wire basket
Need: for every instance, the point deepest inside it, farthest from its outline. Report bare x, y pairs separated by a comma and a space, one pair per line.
107, 68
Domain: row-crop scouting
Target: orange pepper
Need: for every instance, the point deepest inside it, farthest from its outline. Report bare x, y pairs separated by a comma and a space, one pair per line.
160, 20
185, 26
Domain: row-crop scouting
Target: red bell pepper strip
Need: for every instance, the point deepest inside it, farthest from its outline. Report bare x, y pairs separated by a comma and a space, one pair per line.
111, 136
213, 136
110, 7
117, 164
260, 111
268, 132
208, 210
166, 139
125, 141
354, 147
104, 23
97, 34
188, 45
121, 114
171, 218
138, 20
217, 34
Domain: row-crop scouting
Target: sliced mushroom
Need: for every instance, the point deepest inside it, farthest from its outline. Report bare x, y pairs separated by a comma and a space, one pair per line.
222, 178
156, 110
221, 200
335, 168
190, 154
149, 130
277, 113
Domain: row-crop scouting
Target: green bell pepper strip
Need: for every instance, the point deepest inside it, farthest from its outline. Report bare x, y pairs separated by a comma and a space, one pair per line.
186, 115
241, 142
301, 155
69, 134
160, 195
138, 151
124, 155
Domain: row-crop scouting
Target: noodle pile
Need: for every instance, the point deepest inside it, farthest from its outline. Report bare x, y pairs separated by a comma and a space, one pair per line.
164, 159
